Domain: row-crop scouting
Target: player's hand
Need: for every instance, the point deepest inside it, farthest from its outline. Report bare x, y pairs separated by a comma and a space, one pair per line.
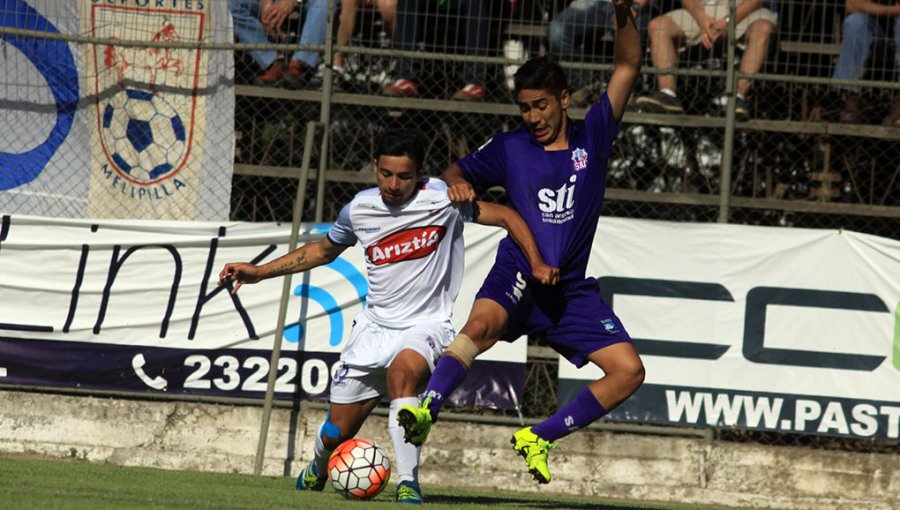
273, 15
461, 192
547, 275
239, 273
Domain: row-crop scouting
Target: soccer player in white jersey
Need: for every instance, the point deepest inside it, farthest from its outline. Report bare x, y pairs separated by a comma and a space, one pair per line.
412, 236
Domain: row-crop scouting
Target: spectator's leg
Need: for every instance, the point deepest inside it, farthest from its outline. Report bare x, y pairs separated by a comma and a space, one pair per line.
248, 29
349, 10
858, 33
407, 35
388, 10
313, 31
663, 32
567, 31
893, 116
755, 55
478, 34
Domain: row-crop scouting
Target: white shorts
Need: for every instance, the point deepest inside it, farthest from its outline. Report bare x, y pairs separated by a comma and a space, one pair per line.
361, 372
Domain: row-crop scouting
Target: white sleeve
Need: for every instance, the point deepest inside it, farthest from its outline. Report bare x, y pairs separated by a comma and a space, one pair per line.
341, 232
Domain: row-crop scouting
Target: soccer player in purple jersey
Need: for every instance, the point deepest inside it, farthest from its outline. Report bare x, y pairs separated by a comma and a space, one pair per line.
554, 171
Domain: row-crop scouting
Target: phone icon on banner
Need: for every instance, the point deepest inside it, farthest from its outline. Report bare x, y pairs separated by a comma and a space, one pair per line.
157, 383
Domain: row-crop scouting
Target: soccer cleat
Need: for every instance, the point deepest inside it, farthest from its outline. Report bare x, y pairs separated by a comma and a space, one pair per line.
416, 422
309, 479
535, 450
409, 492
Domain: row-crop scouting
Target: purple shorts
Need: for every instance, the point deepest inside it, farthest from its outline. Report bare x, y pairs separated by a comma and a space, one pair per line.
572, 314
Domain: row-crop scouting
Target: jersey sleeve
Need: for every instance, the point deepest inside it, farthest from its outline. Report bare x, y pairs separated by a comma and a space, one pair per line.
341, 232
602, 124
486, 167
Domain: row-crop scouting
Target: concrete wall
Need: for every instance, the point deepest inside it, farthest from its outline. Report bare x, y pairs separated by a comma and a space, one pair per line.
223, 438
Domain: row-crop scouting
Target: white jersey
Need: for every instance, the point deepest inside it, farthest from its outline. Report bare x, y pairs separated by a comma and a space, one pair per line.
414, 252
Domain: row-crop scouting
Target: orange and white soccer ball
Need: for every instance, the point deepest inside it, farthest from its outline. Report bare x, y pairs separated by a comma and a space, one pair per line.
359, 469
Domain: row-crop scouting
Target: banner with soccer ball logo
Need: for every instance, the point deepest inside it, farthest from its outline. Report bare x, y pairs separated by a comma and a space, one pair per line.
116, 129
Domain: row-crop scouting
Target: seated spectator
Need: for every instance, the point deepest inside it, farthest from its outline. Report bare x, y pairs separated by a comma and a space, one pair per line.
478, 35
861, 27
706, 22
581, 19
256, 20
347, 26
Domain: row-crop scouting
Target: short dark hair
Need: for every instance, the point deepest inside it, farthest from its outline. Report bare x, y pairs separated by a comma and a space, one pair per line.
541, 73
402, 142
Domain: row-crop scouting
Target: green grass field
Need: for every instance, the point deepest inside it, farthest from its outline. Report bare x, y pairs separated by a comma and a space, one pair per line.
28, 482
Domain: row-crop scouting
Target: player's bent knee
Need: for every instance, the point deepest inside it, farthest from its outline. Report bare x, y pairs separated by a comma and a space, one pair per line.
463, 349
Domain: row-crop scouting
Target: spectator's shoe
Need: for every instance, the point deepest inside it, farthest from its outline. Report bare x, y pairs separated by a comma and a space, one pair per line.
535, 450
298, 74
309, 479
401, 88
741, 109
659, 102
410, 493
471, 92
273, 75
851, 113
416, 422
893, 117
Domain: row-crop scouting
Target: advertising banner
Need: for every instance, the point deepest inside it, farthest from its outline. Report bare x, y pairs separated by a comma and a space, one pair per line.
779, 329
117, 130
134, 306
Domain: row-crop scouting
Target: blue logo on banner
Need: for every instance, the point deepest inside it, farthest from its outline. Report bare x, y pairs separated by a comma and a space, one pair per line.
294, 332
55, 63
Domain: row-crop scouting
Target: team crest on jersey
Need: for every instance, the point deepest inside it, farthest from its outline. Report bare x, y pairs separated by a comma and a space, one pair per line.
411, 244
146, 95
579, 159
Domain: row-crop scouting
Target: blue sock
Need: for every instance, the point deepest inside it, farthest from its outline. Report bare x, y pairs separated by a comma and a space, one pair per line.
448, 374
583, 410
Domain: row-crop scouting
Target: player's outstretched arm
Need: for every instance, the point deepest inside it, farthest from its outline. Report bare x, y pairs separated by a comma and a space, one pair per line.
302, 259
459, 189
505, 217
627, 58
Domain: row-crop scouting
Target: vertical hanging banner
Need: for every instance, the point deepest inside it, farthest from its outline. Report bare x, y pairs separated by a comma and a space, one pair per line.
150, 135
116, 129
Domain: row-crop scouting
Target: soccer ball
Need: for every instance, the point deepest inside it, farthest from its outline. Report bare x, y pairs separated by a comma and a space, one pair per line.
359, 469
143, 135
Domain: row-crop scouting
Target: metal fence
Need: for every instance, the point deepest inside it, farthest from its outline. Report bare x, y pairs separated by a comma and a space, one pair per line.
797, 159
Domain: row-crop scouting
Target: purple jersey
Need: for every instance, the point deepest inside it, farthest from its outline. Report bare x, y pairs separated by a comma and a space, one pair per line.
559, 194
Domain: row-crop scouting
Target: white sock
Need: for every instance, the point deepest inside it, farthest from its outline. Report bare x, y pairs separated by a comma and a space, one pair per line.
406, 464
668, 92
321, 454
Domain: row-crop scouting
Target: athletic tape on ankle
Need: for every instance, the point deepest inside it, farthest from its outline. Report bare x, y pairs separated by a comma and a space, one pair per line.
464, 349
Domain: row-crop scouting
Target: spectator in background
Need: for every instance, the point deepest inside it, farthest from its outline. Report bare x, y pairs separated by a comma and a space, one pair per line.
861, 27
346, 28
256, 20
706, 22
581, 19
477, 14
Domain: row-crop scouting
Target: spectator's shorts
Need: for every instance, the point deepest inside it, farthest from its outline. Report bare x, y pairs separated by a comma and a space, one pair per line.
691, 29
362, 371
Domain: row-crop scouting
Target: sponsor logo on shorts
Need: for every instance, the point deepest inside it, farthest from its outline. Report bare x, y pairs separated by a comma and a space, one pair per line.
339, 376
411, 244
517, 289
610, 325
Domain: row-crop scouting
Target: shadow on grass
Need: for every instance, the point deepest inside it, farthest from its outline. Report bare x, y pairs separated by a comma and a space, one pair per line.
525, 502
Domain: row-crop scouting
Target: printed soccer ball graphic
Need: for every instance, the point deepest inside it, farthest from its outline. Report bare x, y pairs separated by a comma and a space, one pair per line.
143, 134
359, 469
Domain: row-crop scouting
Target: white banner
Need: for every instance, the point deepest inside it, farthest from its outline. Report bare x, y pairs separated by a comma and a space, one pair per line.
109, 131
135, 306
772, 328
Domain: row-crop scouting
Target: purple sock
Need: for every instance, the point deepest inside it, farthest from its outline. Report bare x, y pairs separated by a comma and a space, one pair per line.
448, 374
583, 410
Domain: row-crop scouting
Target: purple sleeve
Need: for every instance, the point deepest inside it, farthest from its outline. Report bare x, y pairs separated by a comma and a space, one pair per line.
601, 123
486, 167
